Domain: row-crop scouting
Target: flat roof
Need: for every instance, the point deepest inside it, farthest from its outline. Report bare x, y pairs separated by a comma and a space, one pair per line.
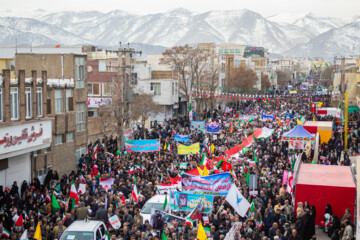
325, 175
82, 225
319, 123
9, 52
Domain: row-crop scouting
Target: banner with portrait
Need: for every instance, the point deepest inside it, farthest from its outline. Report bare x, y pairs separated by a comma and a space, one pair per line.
216, 185
181, 201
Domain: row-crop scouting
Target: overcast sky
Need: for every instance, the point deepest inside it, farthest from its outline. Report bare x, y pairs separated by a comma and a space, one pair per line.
333, 8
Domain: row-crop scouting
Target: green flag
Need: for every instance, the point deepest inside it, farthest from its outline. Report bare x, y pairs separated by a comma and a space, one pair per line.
54, 202
254, 137
163, 236
339, 105
190, 112
255, 158
247, 175
293, 162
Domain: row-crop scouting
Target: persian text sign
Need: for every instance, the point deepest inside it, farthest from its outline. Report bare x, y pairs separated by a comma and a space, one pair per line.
98, 102
181, 201
217, 184
193, 148
25, 136
181, 138
142, 145
198, 124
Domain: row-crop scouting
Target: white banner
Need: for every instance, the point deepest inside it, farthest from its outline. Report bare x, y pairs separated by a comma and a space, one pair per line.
167, 189
98, 102
115, 222
106, 183
25, 137
82, 188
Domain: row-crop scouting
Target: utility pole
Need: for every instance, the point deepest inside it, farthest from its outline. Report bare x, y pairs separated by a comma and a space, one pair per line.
123, 92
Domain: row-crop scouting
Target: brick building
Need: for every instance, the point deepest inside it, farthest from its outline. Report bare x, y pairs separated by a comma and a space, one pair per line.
25, 128
64, 102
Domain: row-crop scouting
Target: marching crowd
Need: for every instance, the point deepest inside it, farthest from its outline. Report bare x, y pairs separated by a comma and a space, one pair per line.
273, 215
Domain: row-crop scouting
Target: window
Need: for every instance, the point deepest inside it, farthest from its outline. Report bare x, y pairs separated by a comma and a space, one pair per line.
223, 82
14, 103
28, 102
4, 164
174, 88
134, 78
47, 150
58, 101
93, 113
80, 72
102, 66
58, 139
80, 151
237, 50
156, 88
226, 50
39, 101
106, 88
1, 105
80, 117
69, 100
94, 89
221, 51
232, 51
70, 137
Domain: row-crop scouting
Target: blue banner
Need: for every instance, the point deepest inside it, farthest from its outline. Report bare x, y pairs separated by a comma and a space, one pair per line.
181, 138
142, 145
264, 116
217, 185
213, 128
198, 124
181, 201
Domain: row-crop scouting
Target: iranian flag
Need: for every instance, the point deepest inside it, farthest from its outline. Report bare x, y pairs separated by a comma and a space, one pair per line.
135, 194
190, 112
166, 206
82, 179
106, 183
26, 216
204, 160
143, 169
138, 167
167, 146
95, 151
290, 183
6, 233
188, 221
48, 198
7, 188
39, 214
73, 193
131, 171
122, 198
259, 225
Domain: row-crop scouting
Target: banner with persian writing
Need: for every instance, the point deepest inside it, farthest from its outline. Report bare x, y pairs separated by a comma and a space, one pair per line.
151, 145
181, 201
217, 184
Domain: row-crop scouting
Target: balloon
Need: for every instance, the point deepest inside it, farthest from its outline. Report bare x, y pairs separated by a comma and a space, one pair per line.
313, 162
322, 223
125, 152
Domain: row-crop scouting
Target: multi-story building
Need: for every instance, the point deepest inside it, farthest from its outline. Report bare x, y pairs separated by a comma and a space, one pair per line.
65, 102
25, 128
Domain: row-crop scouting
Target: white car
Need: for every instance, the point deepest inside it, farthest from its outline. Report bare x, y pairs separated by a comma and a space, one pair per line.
156, 202
85, 230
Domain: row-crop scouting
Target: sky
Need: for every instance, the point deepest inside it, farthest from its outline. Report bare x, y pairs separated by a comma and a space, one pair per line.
324, 8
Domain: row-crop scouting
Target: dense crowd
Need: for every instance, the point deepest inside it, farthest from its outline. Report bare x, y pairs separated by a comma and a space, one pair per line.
273, 205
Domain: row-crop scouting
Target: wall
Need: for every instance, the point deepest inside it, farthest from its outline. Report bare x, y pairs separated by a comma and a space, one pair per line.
19, 169
349, 79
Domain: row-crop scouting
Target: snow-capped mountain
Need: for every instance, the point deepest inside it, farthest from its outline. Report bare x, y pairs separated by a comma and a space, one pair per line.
25, 27
336, 42
278, 33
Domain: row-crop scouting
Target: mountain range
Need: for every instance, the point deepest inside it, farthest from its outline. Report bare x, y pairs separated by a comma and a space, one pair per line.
304, 35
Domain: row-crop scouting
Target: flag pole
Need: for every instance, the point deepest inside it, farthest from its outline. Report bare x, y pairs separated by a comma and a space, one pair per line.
221, 207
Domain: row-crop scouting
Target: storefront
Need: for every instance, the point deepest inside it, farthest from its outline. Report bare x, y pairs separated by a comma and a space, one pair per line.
16, 144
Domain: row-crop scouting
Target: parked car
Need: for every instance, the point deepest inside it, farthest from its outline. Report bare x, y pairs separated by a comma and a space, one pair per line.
85, 230
156, 202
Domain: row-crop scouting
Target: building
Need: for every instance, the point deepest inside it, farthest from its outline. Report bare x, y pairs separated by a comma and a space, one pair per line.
65, 102
25, 128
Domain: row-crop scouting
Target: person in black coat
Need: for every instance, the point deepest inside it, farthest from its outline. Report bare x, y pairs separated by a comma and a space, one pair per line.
101, 214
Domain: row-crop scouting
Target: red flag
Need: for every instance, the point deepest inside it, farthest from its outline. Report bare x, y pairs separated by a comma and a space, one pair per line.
226, 166
175, 180
57, 46
19, 221
123, 199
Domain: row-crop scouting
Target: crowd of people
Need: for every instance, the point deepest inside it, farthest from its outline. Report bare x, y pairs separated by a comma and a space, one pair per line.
273, 205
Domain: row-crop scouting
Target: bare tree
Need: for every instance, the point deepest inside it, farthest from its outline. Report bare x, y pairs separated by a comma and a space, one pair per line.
283, 77
327, 75
181, 59
143, 107
242, 77
265, 82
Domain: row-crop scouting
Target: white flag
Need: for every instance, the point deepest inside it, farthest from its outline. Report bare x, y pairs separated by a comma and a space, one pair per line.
24, 236
237, 201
